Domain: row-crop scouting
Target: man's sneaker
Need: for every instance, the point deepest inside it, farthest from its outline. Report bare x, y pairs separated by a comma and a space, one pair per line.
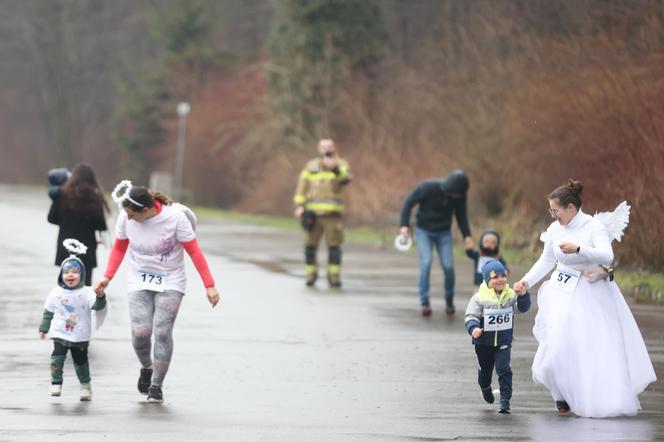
144, 380
504, 406
86, 392
487, 394
311, 279
56, 389
334, 281
155, 394
562, 406
449, 309
426, 311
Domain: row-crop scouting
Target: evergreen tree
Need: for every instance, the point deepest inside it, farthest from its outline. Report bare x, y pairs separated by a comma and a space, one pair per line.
184, 38
316, 48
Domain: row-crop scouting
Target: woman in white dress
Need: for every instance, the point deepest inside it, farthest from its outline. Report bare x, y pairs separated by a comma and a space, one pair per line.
591, 354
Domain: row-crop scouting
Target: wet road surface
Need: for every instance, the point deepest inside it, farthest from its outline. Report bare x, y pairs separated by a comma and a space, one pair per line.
278, 361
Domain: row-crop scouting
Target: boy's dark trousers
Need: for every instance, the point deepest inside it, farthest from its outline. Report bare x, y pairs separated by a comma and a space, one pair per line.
488, 356
80, 356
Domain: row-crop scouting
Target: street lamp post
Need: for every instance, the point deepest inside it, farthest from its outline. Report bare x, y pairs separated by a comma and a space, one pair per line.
183, 110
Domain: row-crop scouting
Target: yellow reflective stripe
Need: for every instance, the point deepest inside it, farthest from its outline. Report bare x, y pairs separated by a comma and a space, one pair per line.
299, 199
343, 171
333, 269
320, 176
327, 207
311, 268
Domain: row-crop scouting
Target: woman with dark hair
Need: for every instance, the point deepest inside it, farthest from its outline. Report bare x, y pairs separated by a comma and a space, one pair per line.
591, 354
156, 232
79, 209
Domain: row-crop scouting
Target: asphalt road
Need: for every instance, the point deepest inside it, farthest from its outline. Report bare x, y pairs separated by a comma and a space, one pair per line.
275, 360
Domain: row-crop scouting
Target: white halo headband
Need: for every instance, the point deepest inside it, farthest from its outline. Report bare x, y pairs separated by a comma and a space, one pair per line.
119, 198
74, 246
402, 243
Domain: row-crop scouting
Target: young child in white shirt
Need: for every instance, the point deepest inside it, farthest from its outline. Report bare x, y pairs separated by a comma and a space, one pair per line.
67, 320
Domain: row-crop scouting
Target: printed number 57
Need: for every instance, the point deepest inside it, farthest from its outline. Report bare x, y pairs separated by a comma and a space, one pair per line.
566, 277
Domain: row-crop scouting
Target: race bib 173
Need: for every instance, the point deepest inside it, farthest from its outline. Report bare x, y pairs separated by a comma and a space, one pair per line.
151, 280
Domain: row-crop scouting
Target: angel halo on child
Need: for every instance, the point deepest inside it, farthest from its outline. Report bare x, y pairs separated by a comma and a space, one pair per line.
591, 355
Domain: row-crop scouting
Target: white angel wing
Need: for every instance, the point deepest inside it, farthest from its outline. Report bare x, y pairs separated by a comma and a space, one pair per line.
100, 316
616, 221
191, 216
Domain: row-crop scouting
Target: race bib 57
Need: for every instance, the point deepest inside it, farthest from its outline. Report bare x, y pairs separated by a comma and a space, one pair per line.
565, 278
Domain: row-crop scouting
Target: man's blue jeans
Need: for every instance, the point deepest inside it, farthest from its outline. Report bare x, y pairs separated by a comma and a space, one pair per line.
426, 241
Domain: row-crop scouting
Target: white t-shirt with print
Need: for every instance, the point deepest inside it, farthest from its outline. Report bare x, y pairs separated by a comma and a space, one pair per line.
71, 313
154, 247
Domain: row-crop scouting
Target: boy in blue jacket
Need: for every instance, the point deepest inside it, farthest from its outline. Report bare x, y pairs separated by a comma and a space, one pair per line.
489, 320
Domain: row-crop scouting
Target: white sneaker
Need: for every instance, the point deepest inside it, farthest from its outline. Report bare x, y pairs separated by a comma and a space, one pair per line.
86, 392
56, 389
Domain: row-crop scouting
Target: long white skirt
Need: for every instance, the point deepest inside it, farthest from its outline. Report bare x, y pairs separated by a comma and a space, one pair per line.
591, 352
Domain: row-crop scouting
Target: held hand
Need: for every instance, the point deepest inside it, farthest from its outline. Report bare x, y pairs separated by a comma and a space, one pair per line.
568, 248
468, 242
299, 210
42, 335
477, 332
405, 231
212, 295
521, 287
100, 286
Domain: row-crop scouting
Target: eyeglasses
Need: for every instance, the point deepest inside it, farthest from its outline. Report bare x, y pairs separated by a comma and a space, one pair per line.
553, 213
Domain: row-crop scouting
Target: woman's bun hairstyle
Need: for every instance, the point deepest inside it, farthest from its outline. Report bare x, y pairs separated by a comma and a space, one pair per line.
569, 193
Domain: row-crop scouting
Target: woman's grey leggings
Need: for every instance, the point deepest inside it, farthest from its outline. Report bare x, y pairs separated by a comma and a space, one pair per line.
149, 310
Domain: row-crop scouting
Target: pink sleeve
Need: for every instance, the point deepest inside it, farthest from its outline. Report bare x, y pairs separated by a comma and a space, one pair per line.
197, 257
117, 254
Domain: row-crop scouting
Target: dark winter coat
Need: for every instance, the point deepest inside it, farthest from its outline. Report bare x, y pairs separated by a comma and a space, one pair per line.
438, 200
77, 225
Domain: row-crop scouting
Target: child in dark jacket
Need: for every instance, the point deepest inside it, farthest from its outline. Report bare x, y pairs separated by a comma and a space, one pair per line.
489, 320
489, 249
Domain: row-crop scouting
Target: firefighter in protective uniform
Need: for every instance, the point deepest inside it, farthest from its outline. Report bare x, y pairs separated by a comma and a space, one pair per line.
318, 203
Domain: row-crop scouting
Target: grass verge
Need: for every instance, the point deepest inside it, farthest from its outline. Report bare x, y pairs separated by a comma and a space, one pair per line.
644, 287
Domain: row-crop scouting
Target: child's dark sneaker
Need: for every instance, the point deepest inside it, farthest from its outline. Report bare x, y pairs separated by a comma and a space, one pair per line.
426, 311
562, 406
155, 394
504, 406
449, 309
144, 380
487, 394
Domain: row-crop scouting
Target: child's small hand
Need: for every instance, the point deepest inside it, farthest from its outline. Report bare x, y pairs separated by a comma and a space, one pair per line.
42, 335
477, 332
519, 289
101, 285
100, 295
